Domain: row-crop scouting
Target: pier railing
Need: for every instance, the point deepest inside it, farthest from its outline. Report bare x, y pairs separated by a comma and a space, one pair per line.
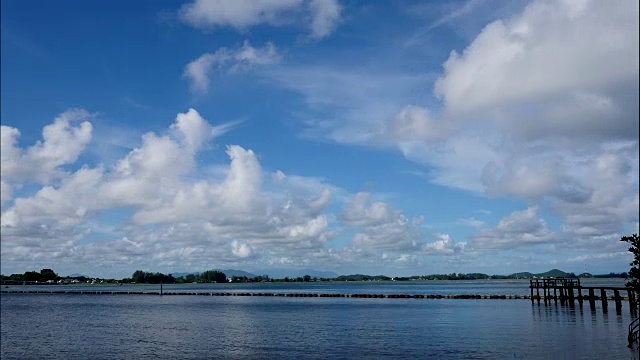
634, 332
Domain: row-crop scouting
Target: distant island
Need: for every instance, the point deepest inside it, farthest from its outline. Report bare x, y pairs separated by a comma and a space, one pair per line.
48, 276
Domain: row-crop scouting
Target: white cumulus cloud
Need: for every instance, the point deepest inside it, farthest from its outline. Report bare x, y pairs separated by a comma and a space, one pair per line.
520, 228
63, 141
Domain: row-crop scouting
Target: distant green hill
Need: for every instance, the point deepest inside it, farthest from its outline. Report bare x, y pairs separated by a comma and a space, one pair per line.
550, 273
228, 273
556, 273
361, 277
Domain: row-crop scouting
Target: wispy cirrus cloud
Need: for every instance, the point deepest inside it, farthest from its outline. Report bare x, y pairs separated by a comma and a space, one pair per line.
199, 71
324, 15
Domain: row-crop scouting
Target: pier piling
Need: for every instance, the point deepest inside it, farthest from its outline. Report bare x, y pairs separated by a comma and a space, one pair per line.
592, 299
531, 288
580, 293
603, 295
633, 306
618, 300
565, 290
571, 297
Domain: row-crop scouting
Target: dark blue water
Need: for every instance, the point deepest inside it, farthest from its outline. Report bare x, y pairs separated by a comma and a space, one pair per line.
42, 326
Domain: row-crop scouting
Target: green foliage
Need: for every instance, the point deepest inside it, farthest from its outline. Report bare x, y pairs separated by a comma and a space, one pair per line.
209, 276
611, 275
634, 272
48, 274
239, 279
144, 277
213, 276
33, 276
360, 277
260, 278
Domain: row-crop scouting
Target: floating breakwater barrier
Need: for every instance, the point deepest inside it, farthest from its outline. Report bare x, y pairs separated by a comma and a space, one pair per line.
322, 295
315, 295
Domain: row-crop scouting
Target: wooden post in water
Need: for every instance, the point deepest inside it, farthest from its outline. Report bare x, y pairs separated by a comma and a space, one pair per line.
579, 293
580, 297
632, 301
603, 295
618, 300
570, 289
538, 291
592, 300
531, 288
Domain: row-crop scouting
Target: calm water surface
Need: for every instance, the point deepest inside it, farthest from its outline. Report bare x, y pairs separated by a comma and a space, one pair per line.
480, 287
58, 326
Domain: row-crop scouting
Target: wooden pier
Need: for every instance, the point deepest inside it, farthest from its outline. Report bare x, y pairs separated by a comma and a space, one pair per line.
567, 291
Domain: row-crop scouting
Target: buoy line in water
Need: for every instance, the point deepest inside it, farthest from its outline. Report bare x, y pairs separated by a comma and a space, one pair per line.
322, 295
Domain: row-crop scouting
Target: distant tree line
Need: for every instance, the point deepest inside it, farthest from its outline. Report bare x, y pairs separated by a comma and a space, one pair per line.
48, 276
145, 277
210, 276
214, 276
43, 276
360, 277
604, 276
454, 276
305, 278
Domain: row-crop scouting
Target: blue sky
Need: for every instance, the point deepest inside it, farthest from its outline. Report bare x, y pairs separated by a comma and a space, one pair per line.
391, 137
